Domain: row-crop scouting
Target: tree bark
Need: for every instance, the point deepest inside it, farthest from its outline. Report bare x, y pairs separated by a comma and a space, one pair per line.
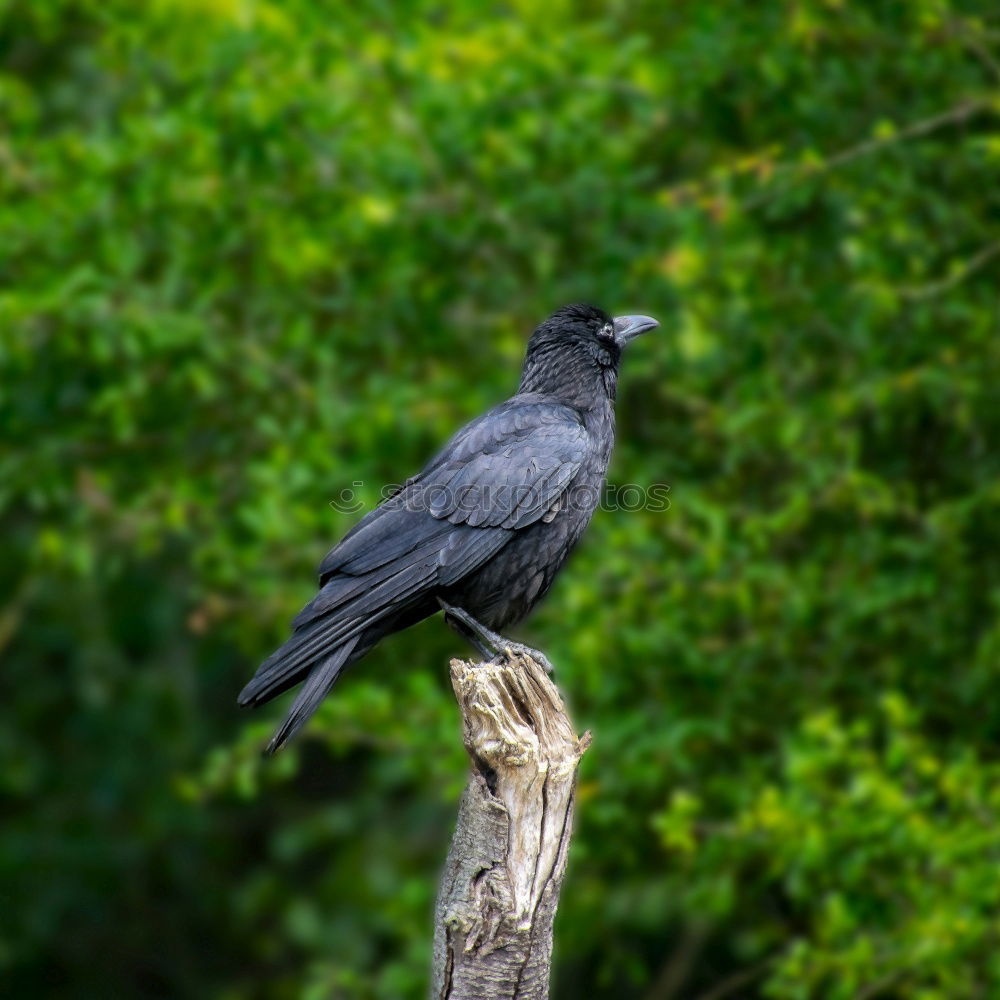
500, 888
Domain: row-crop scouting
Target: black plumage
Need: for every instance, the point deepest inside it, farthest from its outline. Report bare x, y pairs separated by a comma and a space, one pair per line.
482, 530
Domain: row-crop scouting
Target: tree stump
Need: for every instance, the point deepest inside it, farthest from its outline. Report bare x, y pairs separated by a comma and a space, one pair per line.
500, 888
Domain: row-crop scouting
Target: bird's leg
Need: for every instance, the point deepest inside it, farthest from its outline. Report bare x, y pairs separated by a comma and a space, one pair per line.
488, 642
452, 617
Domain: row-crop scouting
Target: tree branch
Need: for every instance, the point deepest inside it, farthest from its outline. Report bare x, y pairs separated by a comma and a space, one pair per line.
500, 888
968, 267
958, 114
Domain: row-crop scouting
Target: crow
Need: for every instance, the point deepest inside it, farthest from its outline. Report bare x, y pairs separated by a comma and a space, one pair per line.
481, 532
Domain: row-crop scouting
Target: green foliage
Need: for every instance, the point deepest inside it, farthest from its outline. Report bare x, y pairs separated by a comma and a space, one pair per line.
253, 253
878, 847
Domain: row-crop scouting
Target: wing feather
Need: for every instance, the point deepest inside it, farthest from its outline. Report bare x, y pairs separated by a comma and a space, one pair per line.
501, 473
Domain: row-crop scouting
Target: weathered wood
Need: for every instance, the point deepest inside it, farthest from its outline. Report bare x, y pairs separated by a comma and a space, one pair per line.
500, 888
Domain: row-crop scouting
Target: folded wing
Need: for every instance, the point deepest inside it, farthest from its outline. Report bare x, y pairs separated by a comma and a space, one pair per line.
498, 475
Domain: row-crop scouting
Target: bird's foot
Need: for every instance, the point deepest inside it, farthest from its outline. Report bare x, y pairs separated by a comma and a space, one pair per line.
488, 642
520, 649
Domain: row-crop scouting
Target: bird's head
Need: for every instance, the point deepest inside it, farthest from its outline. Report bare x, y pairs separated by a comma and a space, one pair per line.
575, 340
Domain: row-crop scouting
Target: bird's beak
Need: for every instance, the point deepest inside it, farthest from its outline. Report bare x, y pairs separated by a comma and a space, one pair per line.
627, 327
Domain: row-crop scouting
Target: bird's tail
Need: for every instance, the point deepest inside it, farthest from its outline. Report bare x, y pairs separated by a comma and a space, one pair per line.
340, 624
317, 686
284, 668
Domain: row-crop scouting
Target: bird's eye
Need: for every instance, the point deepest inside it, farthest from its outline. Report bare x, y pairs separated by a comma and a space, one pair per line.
607, 332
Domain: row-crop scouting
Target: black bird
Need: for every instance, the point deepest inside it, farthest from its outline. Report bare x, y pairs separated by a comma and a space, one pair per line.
482, 531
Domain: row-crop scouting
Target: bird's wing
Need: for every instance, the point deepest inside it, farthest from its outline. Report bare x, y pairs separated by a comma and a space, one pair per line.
507, 469
504, 470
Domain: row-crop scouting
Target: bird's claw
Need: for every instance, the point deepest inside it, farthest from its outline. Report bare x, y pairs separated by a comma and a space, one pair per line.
518, 648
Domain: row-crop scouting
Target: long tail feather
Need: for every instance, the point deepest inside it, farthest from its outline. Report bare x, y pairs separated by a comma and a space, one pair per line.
313, 691
315, 639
